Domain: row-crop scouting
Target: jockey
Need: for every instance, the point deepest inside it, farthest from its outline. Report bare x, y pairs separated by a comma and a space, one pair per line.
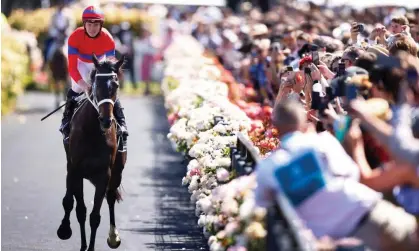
82, 43
60, 27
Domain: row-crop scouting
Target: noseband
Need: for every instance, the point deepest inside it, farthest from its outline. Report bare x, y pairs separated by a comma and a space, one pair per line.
96, 104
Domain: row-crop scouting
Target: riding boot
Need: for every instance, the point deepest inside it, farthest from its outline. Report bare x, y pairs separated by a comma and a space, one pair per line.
68, 114
118, 112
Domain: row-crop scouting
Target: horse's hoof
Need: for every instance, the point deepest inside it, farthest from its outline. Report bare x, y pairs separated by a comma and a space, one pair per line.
114, 243
64, 232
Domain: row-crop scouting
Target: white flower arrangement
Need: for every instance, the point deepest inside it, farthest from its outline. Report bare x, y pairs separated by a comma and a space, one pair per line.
226, 211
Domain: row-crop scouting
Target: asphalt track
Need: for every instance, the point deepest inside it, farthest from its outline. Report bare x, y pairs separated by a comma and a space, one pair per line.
156, 213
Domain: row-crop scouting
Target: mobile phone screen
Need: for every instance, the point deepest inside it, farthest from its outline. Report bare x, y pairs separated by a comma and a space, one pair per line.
315, 57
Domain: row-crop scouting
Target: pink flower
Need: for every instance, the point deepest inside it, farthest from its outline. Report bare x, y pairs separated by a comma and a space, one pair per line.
194, 171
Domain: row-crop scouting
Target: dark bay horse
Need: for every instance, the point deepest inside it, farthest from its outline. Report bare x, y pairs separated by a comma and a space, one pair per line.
58, 66
93, 154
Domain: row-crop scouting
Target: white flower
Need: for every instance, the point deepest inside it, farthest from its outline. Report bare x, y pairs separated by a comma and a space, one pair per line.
230, 207
185, 181
193, 164
231, 228
204, 178
219, 128
246, 209
194, 196
225, 162
193, 184
205, 204
211, 240
221, 235
211, 219
216, 246
202, 220
222, 174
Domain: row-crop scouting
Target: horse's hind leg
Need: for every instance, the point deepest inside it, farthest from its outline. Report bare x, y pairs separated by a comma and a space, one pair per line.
101, 183
64, 231
80, 211
57, 92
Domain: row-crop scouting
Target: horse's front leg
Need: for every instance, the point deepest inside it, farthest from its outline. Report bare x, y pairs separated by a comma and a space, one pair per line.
113, 239
112, 196
101, 183
64, 231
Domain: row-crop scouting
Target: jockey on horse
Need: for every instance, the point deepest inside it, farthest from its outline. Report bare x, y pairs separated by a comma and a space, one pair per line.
61, 26
85, 41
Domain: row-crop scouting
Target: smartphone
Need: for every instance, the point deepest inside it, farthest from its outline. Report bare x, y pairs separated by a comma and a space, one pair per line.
341, 69
341, 127
289, 68
316, 100
315, 57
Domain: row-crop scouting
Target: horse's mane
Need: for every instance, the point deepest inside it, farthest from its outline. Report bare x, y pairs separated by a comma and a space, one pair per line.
108, 63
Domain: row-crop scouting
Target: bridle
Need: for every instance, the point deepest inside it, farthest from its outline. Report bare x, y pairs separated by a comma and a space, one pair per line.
92, 97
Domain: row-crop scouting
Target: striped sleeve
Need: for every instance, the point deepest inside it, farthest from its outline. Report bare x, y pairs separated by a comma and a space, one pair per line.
110, 45
73, 55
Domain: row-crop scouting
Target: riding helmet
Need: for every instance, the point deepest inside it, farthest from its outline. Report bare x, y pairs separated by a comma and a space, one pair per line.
93, 15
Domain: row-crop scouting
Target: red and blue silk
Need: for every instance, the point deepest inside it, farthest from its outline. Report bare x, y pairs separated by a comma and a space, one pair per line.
81, 47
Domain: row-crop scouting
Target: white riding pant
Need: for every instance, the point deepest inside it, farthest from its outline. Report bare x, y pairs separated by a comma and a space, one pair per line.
84, 70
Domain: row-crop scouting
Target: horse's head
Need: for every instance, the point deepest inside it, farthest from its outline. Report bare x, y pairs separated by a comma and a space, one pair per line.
104, 89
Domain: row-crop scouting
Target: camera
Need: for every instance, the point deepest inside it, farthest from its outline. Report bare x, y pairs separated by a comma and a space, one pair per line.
307, 48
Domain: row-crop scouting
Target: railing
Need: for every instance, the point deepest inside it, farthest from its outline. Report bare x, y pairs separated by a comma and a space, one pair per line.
283, 224
243, 157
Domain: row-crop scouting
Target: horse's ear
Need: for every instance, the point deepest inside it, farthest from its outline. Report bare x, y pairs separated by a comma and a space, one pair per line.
120, 63
95, 60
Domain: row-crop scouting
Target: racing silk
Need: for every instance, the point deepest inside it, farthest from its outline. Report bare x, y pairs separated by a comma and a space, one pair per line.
80, 50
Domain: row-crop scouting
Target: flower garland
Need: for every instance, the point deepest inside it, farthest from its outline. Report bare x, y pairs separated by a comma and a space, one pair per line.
205, 118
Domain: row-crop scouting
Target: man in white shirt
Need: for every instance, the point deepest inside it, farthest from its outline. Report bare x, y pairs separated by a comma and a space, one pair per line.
322, 183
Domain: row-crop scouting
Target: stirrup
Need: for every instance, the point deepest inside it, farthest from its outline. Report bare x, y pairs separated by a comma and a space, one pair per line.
122, 144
